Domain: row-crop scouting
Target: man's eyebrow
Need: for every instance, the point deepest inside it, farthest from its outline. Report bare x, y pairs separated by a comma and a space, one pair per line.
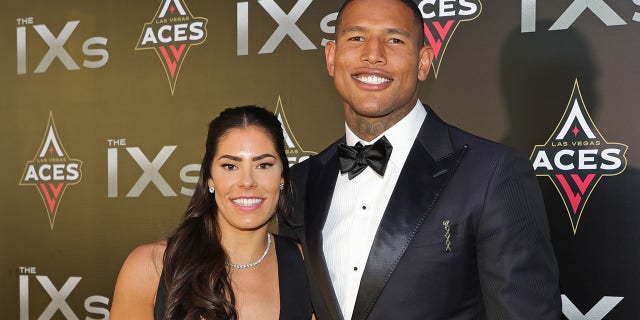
239, 159
397, 31
353, 29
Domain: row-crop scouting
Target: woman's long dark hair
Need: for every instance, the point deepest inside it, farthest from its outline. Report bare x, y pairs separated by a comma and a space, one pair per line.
196, 277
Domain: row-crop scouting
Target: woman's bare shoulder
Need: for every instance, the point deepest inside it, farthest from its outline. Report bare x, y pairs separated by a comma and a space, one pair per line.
147, 257
138, 280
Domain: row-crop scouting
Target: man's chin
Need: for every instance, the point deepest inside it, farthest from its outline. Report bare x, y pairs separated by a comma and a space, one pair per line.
371, 109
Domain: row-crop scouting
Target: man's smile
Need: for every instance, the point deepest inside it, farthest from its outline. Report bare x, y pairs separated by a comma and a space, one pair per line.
371, 79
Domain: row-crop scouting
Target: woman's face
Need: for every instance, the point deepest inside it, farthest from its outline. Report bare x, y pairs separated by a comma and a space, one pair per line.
246, 173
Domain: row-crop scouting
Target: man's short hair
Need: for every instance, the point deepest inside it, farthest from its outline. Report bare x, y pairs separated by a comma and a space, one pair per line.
417, 15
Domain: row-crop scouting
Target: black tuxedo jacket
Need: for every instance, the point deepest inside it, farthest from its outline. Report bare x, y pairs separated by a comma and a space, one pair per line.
500, 264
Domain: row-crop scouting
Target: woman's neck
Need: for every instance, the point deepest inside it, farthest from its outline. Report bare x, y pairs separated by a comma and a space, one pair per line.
245, 247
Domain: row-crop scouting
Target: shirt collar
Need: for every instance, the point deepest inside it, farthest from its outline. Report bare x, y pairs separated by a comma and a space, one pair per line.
401, 135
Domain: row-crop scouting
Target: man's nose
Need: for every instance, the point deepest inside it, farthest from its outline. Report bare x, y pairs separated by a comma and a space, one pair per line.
373, 51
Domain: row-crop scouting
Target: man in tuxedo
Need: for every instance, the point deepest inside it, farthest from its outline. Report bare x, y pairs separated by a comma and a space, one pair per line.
407, 217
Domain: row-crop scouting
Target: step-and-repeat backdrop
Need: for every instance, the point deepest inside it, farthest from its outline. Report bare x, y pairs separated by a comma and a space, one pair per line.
105, 106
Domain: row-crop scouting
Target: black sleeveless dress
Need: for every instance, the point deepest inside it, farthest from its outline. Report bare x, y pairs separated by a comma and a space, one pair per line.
295, 303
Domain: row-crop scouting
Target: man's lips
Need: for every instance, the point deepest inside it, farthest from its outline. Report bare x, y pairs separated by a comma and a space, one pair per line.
371, 79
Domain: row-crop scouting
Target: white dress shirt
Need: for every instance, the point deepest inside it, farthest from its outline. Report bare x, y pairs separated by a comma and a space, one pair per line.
357, 207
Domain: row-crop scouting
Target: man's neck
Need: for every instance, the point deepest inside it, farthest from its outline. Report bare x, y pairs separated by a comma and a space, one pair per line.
367, 128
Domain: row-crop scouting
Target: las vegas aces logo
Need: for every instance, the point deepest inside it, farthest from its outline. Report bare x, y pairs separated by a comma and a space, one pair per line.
171, 32
576, 156
51, 171
441, 19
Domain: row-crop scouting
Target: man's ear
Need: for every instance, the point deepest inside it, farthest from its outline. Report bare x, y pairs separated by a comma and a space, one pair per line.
329, 54
425, 60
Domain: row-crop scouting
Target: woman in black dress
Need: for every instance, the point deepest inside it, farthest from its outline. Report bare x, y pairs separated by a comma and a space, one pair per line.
221, 262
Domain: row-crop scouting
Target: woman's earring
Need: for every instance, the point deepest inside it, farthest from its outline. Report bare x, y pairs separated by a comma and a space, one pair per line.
212, 189
282, 186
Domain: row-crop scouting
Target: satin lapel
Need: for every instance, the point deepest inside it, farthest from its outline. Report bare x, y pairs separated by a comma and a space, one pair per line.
322, 179
416, 193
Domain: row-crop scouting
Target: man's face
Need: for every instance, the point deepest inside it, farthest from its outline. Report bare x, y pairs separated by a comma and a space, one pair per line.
376, 60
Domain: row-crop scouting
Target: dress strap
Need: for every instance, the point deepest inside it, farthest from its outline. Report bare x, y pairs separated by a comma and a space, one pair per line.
161, 299
295, 303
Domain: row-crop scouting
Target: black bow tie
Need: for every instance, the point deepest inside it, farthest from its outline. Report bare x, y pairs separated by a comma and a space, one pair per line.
355, 159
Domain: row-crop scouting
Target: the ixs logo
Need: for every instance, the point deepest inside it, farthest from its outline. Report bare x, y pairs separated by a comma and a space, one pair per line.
51, 171
441, 19
188, 174
30, 281
150, 170
576, 9
287, 26
170, 33
93, 48
576, 156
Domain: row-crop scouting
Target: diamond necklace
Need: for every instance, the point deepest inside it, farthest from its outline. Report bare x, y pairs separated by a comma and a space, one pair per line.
255, 263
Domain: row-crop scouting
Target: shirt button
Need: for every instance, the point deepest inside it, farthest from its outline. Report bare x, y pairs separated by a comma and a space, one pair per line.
355, 268
364, 207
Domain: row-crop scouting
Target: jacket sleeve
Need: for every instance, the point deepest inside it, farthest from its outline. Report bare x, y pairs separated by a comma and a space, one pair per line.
517, 267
